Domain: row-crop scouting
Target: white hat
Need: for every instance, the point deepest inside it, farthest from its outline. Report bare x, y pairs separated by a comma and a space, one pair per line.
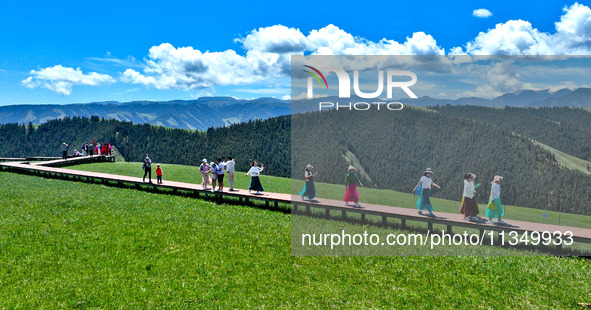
497, 178
309, 167
428, 171
204, 160
351, 167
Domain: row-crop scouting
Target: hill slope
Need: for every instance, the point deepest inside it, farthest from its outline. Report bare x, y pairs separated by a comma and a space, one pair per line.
566, 129
394, 149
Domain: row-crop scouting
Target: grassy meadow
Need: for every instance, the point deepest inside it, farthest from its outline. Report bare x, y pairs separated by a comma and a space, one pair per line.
75, 245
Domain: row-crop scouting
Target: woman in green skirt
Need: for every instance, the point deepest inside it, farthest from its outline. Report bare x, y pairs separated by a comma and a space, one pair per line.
309, 190
423, 190
495, 208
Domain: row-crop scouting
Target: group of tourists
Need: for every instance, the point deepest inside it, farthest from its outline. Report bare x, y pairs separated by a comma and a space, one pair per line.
213, 173
423, 189
91, 149
88, 149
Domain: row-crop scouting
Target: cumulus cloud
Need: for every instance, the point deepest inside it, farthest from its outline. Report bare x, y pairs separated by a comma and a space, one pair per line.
275, 39
481, 13
267, 56
519, 37
500, 78
187, 68
331, 40
61, 79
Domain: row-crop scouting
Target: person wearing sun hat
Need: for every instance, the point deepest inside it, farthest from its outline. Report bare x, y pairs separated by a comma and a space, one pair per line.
469, 206
309, 190
495, 208
425, 183
214, 176
204, 168
351, 193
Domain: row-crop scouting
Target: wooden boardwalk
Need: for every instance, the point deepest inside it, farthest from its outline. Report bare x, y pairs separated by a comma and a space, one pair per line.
328, 207
450, 220
54, 169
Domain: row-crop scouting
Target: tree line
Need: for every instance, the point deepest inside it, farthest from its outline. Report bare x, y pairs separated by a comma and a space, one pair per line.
267, 141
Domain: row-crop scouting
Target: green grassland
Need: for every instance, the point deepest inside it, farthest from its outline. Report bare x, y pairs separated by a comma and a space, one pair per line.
331, 191
566, 160
183, 173
75, 245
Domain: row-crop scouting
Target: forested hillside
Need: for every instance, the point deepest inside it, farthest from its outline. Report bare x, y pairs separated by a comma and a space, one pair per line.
266, 141
395, 148
566, 129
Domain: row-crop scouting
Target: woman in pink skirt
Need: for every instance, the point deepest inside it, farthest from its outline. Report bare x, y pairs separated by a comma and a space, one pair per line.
351, 193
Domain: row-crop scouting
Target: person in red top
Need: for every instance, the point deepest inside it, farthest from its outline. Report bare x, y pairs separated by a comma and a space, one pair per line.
158, 174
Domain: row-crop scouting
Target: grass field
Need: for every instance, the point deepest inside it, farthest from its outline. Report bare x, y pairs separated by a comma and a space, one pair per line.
182, 173
330, 191
566, 160
76, 245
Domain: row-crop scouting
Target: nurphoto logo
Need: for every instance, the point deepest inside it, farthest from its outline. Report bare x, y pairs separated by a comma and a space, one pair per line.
344, 83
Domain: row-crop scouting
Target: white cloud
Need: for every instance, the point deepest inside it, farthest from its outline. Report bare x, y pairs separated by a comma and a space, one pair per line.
187, 68
275, 39
481, 13
267, 56
61, 79
304, 95
331, 40
128, 62
519, 37
500, 78
515, 37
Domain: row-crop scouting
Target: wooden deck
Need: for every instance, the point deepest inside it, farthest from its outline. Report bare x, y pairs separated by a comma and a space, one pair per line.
449, 220
53, 169
74, 161
12, 159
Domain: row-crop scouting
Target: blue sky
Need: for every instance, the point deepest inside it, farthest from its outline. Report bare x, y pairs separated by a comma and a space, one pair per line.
82, 51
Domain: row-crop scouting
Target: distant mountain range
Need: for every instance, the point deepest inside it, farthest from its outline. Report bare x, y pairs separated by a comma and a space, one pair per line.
208, 112
579, 98
197, 114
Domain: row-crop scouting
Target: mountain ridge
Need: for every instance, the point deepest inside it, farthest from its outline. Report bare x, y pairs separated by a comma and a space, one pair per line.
219, 111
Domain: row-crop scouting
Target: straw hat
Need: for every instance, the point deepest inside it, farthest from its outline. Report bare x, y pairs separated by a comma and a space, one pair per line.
497, 178
352, 168
309, 167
